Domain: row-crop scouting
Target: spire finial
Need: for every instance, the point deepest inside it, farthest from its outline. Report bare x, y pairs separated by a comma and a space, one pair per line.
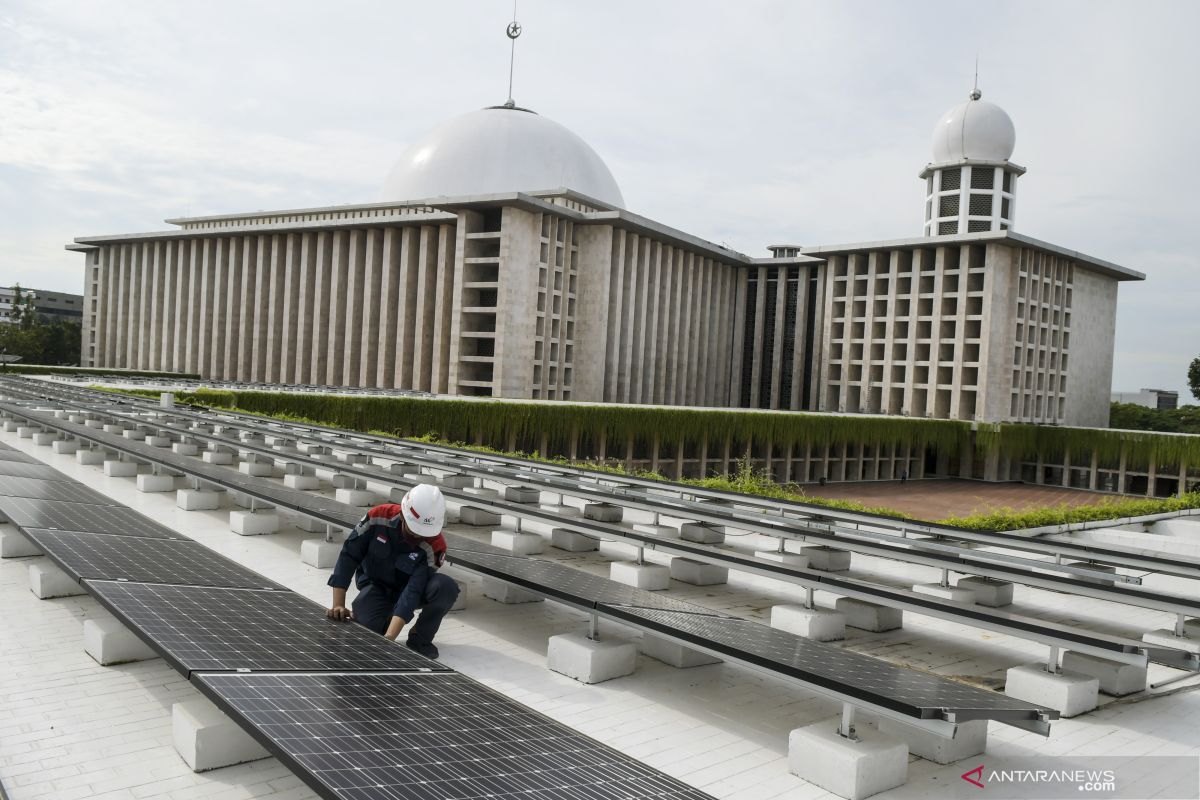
975, 93
513, 31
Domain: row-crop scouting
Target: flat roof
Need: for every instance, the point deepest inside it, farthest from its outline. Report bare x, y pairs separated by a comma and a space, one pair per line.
1011, 237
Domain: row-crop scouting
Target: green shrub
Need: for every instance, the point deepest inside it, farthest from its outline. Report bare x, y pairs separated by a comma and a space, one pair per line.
1007, 519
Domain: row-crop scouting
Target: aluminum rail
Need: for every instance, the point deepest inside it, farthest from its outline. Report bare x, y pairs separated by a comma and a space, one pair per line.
811, 515
324, 510
1034, 718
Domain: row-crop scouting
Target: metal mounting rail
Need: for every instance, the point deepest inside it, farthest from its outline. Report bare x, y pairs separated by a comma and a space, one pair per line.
774, 513
330, 512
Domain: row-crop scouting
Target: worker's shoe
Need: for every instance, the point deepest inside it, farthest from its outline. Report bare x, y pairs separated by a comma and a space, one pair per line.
428, 650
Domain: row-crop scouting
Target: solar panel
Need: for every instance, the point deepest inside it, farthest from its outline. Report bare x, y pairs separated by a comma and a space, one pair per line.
132, 558
25, 512
32, 470
39, 489
566, 583
8, 454
843, 671
428, 737
200, 628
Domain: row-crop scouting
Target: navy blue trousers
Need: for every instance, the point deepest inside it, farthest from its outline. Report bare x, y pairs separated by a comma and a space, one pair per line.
373, 608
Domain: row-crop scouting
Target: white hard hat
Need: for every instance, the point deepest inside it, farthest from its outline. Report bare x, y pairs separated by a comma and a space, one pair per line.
424, 510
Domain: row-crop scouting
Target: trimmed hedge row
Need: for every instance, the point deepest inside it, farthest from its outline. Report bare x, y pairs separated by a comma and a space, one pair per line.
1007, 519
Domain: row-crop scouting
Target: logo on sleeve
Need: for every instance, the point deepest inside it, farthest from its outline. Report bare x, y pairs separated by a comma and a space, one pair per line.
414, 555
381, 538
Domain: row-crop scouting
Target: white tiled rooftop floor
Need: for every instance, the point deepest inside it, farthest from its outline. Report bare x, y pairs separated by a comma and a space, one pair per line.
70, 728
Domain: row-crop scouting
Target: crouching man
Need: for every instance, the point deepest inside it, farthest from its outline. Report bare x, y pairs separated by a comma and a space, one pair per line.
394, 554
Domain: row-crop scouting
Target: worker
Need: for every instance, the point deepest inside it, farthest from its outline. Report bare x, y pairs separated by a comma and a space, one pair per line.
394, 554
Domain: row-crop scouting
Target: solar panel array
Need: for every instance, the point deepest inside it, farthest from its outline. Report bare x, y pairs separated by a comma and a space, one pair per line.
25, 512
135, 558
203, 628
430, 737
62, 491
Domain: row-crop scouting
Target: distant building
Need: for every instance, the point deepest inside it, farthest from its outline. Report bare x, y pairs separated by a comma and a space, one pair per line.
50, 306
1161, 399
504, 264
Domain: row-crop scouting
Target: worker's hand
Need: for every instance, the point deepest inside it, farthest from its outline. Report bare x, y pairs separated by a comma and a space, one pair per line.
394, 627
340, 613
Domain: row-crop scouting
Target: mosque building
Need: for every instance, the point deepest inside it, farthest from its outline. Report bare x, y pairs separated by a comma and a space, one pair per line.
503, 263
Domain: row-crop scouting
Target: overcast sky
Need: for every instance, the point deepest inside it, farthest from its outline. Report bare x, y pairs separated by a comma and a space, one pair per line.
745, 123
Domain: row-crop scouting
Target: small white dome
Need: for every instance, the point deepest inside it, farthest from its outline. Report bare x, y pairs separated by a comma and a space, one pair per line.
500, 149
975, 130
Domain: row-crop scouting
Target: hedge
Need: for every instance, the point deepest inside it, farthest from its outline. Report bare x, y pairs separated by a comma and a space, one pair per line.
1007, 519
1027, 441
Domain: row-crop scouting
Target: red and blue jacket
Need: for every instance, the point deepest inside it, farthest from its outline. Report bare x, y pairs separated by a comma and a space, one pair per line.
382, 552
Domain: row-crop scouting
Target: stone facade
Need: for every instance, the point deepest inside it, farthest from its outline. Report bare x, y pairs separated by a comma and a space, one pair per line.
554, 296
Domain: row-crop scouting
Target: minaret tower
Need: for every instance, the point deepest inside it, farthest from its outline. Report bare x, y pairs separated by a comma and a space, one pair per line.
971, 186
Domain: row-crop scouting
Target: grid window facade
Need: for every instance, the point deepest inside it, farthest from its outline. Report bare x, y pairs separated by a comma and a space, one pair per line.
1041, 353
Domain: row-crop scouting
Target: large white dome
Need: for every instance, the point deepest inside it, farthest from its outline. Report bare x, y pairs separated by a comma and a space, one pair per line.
500, 149
974, 130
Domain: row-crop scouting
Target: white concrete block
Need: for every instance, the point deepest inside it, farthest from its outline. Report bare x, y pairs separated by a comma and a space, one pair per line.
109, 642
319, 553
603, 512
454, 481
65, 447
134, 434
658, 531
988, 591
155, 483
120, 469
207, 739
309, 524
850, 768
404, 469
185, 449
969, 740
561, 510
45, 438
78, 419
651, 577
590, 661
792, 560
869, 616
27, 431
356, 497
572, 541
13, 544
482, 493
11, 425
503, 592
114, 428
47, 580
702, 533
218, 458
158, 441
89, 456
819, 624
303, 482
470, 515
698, 573
674, 654
522, 494
256, 469
1165, 637
1070, 693
962, 597
520, 544
93, 423
340, 480
253, 523
1116, 678
197, 499
826, 559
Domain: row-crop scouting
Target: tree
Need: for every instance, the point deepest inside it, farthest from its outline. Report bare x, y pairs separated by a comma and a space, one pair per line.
18, 305
1194, 378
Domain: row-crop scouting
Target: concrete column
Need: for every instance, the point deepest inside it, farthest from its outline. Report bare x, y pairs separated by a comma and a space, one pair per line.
251, 307
369, 315
777, 354
162, 314
146, 305
675, 347
355, 302
448, 282
211, 336
642, 297
225, 362
389, 277
407, 304
268, 344
283, 349
319, 266
307, 309
756, 366
629, 310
